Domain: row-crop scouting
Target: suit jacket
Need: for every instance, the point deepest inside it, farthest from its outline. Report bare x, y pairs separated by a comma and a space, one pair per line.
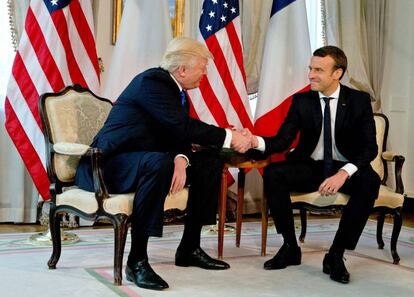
355, 133
149, 116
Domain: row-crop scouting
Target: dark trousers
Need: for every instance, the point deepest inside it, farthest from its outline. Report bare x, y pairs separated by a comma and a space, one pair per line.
306, 176
149, 175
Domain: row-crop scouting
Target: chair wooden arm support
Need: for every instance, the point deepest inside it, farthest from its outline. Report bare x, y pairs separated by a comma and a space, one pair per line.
242, 162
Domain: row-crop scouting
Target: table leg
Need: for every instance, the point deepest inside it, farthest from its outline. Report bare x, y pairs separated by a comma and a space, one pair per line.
240, 201
265, 219
222, 212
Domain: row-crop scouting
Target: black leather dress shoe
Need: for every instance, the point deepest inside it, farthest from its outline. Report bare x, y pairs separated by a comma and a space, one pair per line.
286, 256
199, 258
144, 277
333, 264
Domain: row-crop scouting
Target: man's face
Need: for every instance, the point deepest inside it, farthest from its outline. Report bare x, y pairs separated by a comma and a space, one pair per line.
323, 76
190, 77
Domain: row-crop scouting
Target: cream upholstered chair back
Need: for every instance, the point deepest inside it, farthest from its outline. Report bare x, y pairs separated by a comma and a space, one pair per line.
381, 128
73, 117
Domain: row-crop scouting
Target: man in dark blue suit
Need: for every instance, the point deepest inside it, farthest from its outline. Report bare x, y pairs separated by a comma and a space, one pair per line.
336, 145
146, 143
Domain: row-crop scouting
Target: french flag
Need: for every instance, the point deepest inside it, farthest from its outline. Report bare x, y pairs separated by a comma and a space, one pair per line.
286, 58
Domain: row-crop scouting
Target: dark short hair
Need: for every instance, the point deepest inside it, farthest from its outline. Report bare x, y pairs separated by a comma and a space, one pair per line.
341, 62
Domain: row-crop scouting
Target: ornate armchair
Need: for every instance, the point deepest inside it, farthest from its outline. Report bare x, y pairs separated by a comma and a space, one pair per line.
71, 118
389, 201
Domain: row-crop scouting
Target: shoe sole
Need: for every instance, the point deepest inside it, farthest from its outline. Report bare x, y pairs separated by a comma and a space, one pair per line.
182, 264
327, 270
283, 267
342, 281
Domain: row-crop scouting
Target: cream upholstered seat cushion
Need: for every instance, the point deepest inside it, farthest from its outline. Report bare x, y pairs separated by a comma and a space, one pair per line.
389, 198
315, 198
116, 203
386, 198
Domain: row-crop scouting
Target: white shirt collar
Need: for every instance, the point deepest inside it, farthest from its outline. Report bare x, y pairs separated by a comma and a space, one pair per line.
178, 84
335, 95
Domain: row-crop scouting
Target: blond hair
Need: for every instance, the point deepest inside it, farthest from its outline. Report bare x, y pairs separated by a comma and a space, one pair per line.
183, 51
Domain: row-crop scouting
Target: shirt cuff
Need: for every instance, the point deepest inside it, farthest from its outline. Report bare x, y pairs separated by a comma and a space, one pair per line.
185, 157
227, 140
350, 169
261, 146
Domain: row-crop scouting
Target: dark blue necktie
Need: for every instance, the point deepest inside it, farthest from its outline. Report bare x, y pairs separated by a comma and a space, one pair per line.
182, 94
327, 139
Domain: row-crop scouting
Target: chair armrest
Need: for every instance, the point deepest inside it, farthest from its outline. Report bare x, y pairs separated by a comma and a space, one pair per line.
390, 156
78, 149
71, 149
399, 162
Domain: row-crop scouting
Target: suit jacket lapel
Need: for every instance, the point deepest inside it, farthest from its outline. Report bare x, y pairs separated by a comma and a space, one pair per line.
341, 110
316, 111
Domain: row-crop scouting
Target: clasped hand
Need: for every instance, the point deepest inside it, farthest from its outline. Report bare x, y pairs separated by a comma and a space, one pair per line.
243, 140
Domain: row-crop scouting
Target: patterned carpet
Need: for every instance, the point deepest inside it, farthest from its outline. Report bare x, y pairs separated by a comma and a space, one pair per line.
85, 268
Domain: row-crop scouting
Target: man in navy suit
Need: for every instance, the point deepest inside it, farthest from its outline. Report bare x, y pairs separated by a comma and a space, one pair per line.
337, 142
146, 143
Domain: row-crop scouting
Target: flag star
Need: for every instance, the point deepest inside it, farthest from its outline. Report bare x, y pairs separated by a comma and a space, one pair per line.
202, 10
211, 14
208, 28
54, 2
223, 18
233, 10
214, 1
226, 5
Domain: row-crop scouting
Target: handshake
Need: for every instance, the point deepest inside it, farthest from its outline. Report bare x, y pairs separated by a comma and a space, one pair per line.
242, 140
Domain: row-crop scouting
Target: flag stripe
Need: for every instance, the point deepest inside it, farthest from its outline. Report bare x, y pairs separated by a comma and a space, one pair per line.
87, 37
54, 51
26, 86
54, 44
26, 118
61, 25
42, 51
213, 104
236, 46
26, 150
284, 67
222, 96
82, 59
223, 69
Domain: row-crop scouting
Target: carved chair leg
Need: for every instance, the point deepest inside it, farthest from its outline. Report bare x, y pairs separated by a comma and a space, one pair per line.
394, 237
303, 222
120, 230
380, 225
54, 225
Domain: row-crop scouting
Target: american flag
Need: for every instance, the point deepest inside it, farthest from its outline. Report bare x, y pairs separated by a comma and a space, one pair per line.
56, 49
222, 98
286, 57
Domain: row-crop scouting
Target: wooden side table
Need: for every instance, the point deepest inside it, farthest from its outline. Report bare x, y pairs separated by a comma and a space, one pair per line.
241, 161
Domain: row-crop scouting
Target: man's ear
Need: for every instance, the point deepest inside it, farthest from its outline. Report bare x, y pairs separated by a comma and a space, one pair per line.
338, 73
181, 70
